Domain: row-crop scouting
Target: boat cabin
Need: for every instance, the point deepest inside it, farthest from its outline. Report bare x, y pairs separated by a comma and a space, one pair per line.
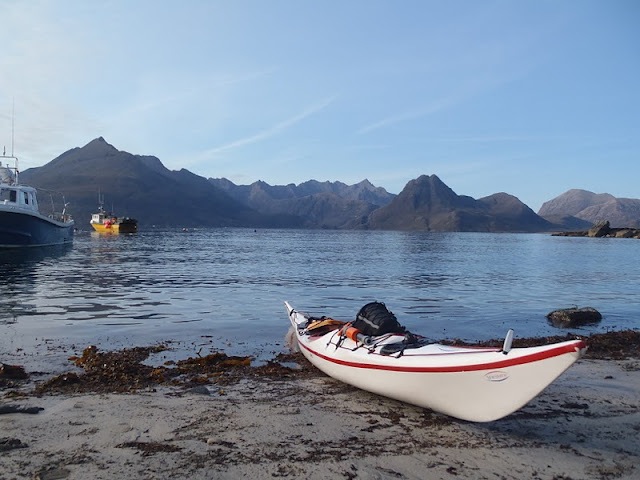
98, 217
18, 197
14, 196
103, 218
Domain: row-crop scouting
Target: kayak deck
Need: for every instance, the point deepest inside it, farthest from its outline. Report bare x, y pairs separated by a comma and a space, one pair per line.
471, 383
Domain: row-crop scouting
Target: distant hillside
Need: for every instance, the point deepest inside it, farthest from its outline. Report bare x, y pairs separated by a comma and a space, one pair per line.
620, 212
508, 214
567, 222
426, 203
317, 204
592, 208
140, 187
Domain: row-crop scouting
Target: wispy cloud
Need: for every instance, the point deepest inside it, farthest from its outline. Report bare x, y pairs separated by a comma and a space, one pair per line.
485, 138
477, 78
436, 106
273, 130
154, 92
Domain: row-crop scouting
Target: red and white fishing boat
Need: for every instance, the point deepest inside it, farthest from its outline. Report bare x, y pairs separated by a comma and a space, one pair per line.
478, 384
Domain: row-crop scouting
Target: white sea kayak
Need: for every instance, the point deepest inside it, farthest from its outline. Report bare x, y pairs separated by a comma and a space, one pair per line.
477, 384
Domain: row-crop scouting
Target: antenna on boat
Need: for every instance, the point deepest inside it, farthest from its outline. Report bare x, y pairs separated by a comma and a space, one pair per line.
13, 118
12, 156
100, 201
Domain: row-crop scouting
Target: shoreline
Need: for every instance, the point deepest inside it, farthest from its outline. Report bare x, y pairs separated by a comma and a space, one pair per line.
277, 421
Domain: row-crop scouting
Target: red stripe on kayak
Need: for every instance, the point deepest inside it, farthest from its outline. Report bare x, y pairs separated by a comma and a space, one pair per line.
507, 362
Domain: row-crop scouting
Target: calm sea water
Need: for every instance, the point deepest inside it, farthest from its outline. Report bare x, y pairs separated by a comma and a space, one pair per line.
224, 288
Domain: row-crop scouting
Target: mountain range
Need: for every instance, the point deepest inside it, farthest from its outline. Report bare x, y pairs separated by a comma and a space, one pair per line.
142, 187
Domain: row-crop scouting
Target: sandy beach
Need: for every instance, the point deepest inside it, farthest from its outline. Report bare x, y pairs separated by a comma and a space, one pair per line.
301, 424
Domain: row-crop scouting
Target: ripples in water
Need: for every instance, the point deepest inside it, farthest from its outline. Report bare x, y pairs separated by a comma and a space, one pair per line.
229, 284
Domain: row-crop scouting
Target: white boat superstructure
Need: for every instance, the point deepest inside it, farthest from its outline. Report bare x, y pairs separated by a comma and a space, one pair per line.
21, 222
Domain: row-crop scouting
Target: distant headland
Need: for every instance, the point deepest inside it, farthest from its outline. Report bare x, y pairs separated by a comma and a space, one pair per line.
603, 229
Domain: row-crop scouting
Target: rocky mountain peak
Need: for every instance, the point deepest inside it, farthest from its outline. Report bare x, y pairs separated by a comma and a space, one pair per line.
99, 147
572, 202
427, 191
593, 207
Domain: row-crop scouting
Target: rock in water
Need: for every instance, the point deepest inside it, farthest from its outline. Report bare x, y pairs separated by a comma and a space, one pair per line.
574, 317
600, 229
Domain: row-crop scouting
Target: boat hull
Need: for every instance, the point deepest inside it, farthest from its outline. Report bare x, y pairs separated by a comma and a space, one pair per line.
115, 228
125, 226
474, 384
31, 229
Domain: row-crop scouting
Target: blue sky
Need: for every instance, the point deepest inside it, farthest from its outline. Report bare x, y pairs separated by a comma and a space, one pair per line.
531, 98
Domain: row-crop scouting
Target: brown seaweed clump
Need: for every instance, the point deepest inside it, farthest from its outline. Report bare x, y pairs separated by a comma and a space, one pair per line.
606, 346
216, 367
120, 371
124, 371
12, 372
614, 345
12, 375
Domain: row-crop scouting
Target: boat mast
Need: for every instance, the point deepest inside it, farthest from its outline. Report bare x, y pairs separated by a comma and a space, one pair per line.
100, 202
13, 119
12, 156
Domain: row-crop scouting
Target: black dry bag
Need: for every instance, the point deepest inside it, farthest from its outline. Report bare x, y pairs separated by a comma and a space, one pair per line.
375, 319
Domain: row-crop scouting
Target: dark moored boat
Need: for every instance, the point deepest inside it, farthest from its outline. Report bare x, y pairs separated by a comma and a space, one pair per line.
21, 222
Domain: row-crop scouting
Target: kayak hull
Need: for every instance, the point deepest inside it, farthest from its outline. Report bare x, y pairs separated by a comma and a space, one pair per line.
469, 383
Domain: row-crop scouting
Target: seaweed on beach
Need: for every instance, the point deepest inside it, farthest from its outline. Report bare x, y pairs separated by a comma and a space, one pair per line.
150, 448
12, 376
287, 365
120, 371
123, 371
604, 346
7, 443
216, 367
614, 345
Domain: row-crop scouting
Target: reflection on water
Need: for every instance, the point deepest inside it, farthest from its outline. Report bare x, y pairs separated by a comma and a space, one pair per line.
26, 257
19, 276
229, 284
